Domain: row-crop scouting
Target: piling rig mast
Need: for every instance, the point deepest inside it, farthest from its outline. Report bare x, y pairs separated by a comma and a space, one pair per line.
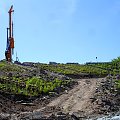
10, 38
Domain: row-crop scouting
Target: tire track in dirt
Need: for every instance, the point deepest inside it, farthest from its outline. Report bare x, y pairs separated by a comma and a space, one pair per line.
78, 99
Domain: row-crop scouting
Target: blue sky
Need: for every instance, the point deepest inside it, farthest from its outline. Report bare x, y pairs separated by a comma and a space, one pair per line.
63, 30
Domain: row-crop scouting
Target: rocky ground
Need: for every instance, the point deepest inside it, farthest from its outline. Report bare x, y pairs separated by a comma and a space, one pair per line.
82, 99
87, 99
106, 98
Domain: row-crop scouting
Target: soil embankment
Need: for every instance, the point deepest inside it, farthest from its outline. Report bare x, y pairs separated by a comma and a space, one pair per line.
89, 98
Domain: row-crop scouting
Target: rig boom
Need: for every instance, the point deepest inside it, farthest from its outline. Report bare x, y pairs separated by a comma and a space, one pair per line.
10, 38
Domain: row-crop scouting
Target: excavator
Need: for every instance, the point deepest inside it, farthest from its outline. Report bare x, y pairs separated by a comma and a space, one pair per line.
10, 39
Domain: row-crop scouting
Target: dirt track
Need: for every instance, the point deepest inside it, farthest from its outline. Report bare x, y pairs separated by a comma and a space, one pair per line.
80, 102
78, 99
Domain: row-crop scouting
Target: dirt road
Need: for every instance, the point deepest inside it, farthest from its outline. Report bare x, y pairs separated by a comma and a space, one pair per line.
78, 99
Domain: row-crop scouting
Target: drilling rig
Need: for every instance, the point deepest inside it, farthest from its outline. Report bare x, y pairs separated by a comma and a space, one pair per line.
10, 38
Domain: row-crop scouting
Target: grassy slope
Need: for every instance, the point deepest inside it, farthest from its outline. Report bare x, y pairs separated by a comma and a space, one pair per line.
17, 79
24, 80
100, 69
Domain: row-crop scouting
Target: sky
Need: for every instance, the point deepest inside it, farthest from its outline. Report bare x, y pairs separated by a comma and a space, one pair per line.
62, 30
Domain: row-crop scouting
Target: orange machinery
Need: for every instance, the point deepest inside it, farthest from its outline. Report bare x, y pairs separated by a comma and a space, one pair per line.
10, 38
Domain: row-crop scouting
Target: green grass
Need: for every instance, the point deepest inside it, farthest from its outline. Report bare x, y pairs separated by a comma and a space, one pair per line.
8, 67
31, 87
117, 82
75, 69
2, 64
37, 85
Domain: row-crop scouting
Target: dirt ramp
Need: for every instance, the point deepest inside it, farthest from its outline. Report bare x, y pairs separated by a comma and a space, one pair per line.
78, 99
